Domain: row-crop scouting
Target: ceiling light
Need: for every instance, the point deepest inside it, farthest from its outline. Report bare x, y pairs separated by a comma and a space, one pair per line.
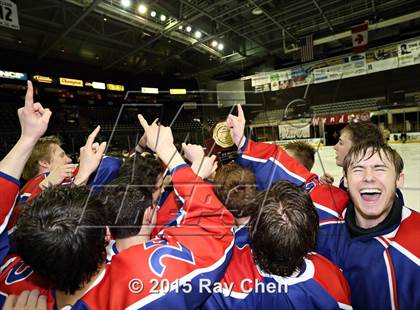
153, 13
162, 17
220, 46
197, 34
257, 11
214, 43
125, 3
188, 29
180, 27
105, 19
142, 9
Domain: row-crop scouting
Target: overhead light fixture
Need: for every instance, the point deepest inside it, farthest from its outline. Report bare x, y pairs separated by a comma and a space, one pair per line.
153, 13
180, 27
188, 29
214, 43
220, 46
197, 34
142, 9
105, 19
162, 17
257, 11
126, 3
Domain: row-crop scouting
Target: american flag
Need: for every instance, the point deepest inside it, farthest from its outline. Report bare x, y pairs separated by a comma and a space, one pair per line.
307, 48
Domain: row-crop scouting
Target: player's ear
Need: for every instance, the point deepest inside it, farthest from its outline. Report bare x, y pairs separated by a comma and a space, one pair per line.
345, 182
400, 180
148, 215
44, 163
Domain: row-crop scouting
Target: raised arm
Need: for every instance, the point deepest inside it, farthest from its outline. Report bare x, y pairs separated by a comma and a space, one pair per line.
33, 120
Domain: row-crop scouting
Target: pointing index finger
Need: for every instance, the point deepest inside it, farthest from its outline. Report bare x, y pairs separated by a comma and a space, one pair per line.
240, 112
29, 97
92, 136
143, 122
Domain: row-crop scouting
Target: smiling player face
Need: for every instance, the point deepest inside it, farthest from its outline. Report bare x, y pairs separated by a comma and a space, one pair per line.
372, 181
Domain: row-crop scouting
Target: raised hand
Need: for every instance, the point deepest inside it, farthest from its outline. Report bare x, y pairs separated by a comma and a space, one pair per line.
237, 126
160, 140
327, 179
205, 167
33, 117
193, 152
26, 301
157, 136
33, 120
142, 144
57, 175
90, 157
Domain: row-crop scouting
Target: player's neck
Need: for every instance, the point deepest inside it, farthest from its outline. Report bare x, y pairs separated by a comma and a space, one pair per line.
62, 299
241, 220
125, 243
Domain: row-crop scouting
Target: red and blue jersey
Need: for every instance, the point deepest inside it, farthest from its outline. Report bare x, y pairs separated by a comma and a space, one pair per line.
382, 268
318, 285
107, 170
165, 271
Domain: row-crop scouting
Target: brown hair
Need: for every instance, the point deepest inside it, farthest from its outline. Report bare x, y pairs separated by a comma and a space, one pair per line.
369, 148
303, 152
235, 187
284, 229
362, 132
41, 151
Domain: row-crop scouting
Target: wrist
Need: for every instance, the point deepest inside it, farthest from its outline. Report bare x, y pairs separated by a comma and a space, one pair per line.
80, 179
27, 140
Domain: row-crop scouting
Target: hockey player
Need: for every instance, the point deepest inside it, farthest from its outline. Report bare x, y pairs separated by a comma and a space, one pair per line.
374, 239
156, 274
273, 266
353, 134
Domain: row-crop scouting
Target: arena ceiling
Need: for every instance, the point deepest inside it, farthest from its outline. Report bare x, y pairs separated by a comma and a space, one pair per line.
253, 32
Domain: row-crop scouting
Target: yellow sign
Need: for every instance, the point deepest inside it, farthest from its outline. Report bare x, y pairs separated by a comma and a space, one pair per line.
71, 82
42, 79
115, 87
177, 91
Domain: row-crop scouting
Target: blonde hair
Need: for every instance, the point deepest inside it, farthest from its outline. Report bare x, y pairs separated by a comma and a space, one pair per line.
42, 151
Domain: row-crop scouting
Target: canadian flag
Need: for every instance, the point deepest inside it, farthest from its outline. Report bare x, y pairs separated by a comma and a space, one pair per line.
359, 36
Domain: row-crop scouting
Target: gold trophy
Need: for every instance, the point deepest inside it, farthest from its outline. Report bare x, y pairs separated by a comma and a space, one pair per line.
221, 144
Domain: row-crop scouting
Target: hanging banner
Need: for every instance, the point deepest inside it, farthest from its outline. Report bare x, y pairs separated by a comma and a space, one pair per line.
341, 118
274, 78
301, 75
327, 74
285, 79
382, 65
9, 14
260, 79
294, 131
409, 53
354, 65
